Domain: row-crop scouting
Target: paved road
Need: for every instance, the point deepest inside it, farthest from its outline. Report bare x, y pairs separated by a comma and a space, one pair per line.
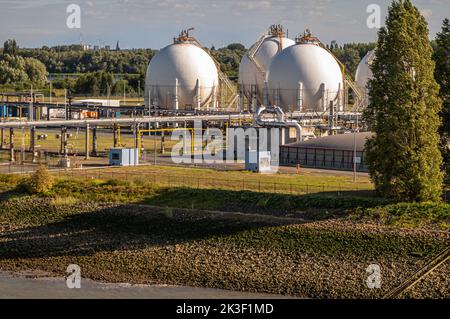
14, 286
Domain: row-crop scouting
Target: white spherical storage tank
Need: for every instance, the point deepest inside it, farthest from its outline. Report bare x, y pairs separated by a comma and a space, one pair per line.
251, 74
182, 76
364, 72
305, 77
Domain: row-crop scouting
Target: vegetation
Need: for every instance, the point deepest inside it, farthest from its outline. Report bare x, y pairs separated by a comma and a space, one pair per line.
318, 205
404, 158
265, 254
92, 71
16, 69
40, 182
351, 54
140, 231
442, 74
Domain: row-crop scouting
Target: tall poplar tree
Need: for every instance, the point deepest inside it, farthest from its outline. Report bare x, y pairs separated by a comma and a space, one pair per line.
442, 73
404, 157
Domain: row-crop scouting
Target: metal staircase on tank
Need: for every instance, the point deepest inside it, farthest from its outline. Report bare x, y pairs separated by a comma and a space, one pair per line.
254, 49
348, 82
359, 98
230, 91
252, 52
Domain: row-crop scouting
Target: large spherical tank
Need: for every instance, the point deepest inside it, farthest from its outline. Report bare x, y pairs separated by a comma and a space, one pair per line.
249, 74
310, 65
188, 63
363, 72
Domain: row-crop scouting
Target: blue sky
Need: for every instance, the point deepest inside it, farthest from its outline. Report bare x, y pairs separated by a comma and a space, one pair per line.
153, 23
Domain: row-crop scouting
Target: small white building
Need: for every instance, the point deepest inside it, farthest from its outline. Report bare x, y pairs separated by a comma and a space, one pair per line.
105, 103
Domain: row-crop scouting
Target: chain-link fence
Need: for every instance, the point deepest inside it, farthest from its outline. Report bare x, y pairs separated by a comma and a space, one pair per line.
200, 182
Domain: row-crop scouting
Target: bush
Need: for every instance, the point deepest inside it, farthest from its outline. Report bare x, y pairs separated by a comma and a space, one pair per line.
40, 182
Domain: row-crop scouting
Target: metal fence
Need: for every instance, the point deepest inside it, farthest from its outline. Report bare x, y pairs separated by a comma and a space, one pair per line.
200, 182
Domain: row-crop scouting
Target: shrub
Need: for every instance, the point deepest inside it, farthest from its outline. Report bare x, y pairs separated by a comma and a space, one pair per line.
40, 182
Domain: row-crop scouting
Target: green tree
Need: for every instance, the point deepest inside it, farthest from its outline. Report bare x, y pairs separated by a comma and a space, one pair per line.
236, 47
36, 71
12, 70
404, 156
442, 73
10, 47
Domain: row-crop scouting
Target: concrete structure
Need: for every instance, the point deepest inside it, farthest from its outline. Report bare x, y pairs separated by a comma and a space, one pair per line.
331, 152
259, 162
306, 77
182, 76
124, 157
255, 63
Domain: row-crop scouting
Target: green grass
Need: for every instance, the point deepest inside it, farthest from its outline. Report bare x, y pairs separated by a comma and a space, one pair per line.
173, 176
411, 214
353, 205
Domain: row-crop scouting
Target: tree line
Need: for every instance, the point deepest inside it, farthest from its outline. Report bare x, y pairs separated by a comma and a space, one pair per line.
94, 69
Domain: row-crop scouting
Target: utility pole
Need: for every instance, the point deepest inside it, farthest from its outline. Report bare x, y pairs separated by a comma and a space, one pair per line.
30, 108
51, 90
139, 90
354, 145
124, 93
65, 104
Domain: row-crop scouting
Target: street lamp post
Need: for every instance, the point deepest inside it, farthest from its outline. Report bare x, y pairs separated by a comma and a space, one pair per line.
354, 145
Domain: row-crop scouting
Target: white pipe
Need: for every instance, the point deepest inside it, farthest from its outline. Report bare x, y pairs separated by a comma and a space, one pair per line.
300, 97
156, 100
266, 93
214, 97
111, 121
198, 97
324, 96
254, 102
281, 121
277, 96
175, 98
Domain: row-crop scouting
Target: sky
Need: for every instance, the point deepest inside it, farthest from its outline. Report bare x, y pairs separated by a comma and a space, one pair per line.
153, 23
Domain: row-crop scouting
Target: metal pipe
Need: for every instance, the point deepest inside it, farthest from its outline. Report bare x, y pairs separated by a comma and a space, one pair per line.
324, 96
198, 97
11, 145
33, 143
94, 141
300, 97
112, 121
116, 136
175, 97
281, 121
86, 142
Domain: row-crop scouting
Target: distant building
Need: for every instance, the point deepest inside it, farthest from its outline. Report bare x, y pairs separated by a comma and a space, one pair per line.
117, 46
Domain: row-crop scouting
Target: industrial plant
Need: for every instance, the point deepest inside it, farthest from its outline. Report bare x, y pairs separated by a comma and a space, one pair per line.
290, 164
297, 87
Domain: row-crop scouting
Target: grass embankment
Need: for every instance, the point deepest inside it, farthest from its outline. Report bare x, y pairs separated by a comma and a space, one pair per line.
287, 244
169, 177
